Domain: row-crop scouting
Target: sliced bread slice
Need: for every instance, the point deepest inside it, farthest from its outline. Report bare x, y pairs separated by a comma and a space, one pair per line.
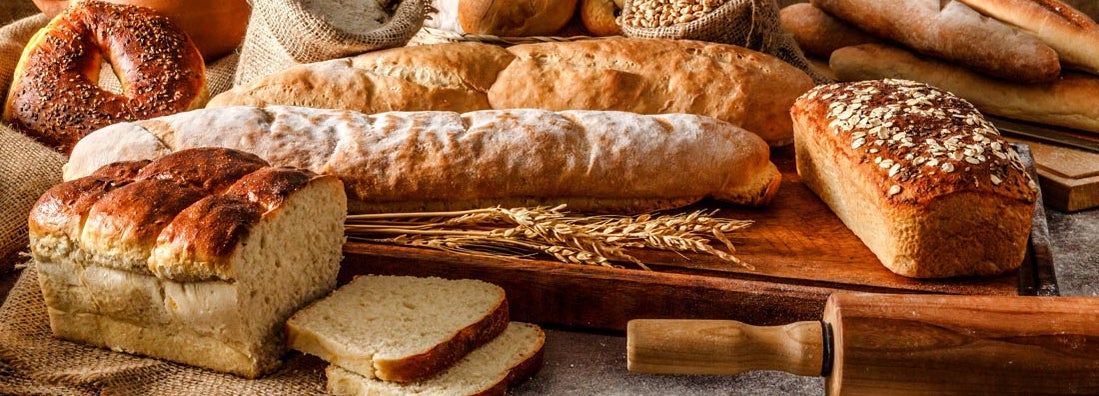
400, 328
513, 356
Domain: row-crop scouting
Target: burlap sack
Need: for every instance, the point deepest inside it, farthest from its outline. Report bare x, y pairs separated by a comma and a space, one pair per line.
12, 10
33, 362
752, 24
283, 33
27, 169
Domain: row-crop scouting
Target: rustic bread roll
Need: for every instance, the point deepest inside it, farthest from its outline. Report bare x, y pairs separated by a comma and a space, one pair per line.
400, 328
514, 18
951, 30
599, 161
235, 249
1071, 33
818, 33
645, 76
55, 97
452, 77
489, 370
918, 174
600, 17
1069, 101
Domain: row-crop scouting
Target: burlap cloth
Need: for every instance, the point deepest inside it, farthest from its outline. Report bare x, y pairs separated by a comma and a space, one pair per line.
33, 362
283, 33
752, 24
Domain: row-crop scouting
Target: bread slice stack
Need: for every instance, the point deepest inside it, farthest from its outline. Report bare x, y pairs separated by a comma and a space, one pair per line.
401, 335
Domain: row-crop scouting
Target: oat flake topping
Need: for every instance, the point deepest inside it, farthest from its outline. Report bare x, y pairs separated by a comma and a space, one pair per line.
911, 130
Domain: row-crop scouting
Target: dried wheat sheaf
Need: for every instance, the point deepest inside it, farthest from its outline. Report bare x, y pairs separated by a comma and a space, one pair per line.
528, 232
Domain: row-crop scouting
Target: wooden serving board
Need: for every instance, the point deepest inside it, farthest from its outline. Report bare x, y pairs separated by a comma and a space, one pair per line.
800, 250
1069, 177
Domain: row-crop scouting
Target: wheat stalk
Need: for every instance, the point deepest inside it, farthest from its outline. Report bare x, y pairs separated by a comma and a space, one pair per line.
524, 232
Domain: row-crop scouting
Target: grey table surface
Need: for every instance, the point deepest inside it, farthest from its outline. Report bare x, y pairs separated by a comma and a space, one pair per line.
584, 363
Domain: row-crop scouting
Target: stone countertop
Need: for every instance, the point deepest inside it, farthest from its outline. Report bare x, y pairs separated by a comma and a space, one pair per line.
585, 363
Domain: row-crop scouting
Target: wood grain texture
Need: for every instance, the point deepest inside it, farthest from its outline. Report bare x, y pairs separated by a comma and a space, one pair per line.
723, 347
918, 345
1069, 177
801, 253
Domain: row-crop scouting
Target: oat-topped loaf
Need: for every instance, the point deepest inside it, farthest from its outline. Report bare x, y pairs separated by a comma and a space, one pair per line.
197, 257
918, 174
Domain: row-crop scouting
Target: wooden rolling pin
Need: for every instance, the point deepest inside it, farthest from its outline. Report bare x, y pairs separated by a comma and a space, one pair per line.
896, 345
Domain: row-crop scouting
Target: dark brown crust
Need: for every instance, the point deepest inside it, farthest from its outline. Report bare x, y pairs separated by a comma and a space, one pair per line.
916, 172
207, 169
205, 233
55, 97
199, 203
65, 203
417, 367
269, 187
134, 214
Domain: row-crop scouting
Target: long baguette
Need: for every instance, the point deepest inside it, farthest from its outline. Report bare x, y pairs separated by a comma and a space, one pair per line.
1070, 101
1073, 34
749, 89
594, 161
951, 30
818, 33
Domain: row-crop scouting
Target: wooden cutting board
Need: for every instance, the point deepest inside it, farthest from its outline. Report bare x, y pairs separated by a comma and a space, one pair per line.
1069, 177
800, 250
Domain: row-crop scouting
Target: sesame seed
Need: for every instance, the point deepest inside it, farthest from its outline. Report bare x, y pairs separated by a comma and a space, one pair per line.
894, 190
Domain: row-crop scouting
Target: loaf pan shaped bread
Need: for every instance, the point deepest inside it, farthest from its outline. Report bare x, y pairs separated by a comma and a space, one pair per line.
749, 89
593, 161
198, 257
918, 174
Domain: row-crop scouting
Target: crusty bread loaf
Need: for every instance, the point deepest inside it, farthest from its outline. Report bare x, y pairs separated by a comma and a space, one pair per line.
450, 77
918, 174
198, 257
647, 76
1071, 33
514, 18
1069, 101
655, 77
952, 31
513, 356
400, 328
818, 33
594, 161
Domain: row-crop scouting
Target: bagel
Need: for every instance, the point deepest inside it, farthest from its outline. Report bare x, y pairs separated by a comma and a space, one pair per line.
217, 27
55, 97
599, 16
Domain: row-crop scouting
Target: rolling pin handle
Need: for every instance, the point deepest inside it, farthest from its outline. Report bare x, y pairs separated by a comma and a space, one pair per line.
727, 347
